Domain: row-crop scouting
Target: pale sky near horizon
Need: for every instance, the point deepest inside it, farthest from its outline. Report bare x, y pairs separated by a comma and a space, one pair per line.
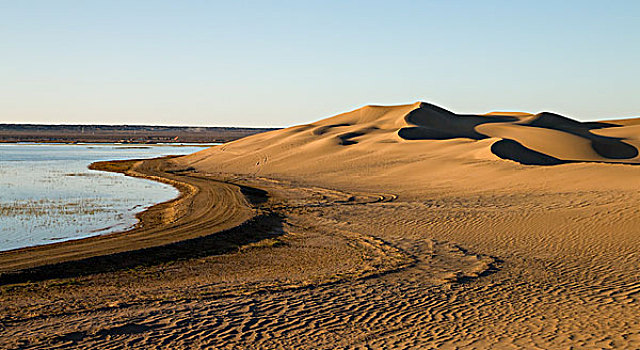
280, 63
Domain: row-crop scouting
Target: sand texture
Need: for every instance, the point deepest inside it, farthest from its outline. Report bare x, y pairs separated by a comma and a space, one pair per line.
402, 227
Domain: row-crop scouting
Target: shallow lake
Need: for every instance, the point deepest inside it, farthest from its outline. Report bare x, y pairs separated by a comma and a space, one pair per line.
47, 193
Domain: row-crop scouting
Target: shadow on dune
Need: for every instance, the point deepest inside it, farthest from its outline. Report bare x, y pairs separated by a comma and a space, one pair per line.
513, 150
607, 147
435, 123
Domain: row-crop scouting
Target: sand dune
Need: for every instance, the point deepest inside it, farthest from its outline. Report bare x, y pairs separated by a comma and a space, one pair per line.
417, 131
404, 227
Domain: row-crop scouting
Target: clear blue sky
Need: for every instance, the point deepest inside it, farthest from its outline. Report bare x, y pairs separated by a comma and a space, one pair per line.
278, 63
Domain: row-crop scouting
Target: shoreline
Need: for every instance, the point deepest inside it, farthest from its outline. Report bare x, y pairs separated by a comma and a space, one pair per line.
163, 226
51, 194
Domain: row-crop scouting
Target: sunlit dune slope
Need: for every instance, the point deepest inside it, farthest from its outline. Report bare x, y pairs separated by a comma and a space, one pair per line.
388, 139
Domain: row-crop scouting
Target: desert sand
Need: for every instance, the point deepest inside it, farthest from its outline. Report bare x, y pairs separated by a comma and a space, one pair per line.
401, 227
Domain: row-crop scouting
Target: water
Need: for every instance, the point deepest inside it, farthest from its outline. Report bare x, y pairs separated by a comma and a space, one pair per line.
48, 195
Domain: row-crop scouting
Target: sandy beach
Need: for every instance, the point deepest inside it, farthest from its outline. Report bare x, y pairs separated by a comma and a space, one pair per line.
404, 227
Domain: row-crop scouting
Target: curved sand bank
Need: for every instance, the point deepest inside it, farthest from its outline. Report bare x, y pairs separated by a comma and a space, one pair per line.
204, 207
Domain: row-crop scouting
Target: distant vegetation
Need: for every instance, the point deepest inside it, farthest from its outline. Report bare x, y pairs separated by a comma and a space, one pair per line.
122, 133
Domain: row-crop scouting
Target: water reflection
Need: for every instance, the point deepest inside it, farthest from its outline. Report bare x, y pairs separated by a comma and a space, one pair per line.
47, 194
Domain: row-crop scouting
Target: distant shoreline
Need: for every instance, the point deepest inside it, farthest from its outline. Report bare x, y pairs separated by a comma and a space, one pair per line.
126, 134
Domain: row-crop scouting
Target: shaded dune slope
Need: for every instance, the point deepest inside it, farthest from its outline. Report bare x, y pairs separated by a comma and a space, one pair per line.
400, 135
434, 123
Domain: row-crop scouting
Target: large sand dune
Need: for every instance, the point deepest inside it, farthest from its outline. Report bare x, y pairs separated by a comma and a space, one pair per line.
414, 133
388, 228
